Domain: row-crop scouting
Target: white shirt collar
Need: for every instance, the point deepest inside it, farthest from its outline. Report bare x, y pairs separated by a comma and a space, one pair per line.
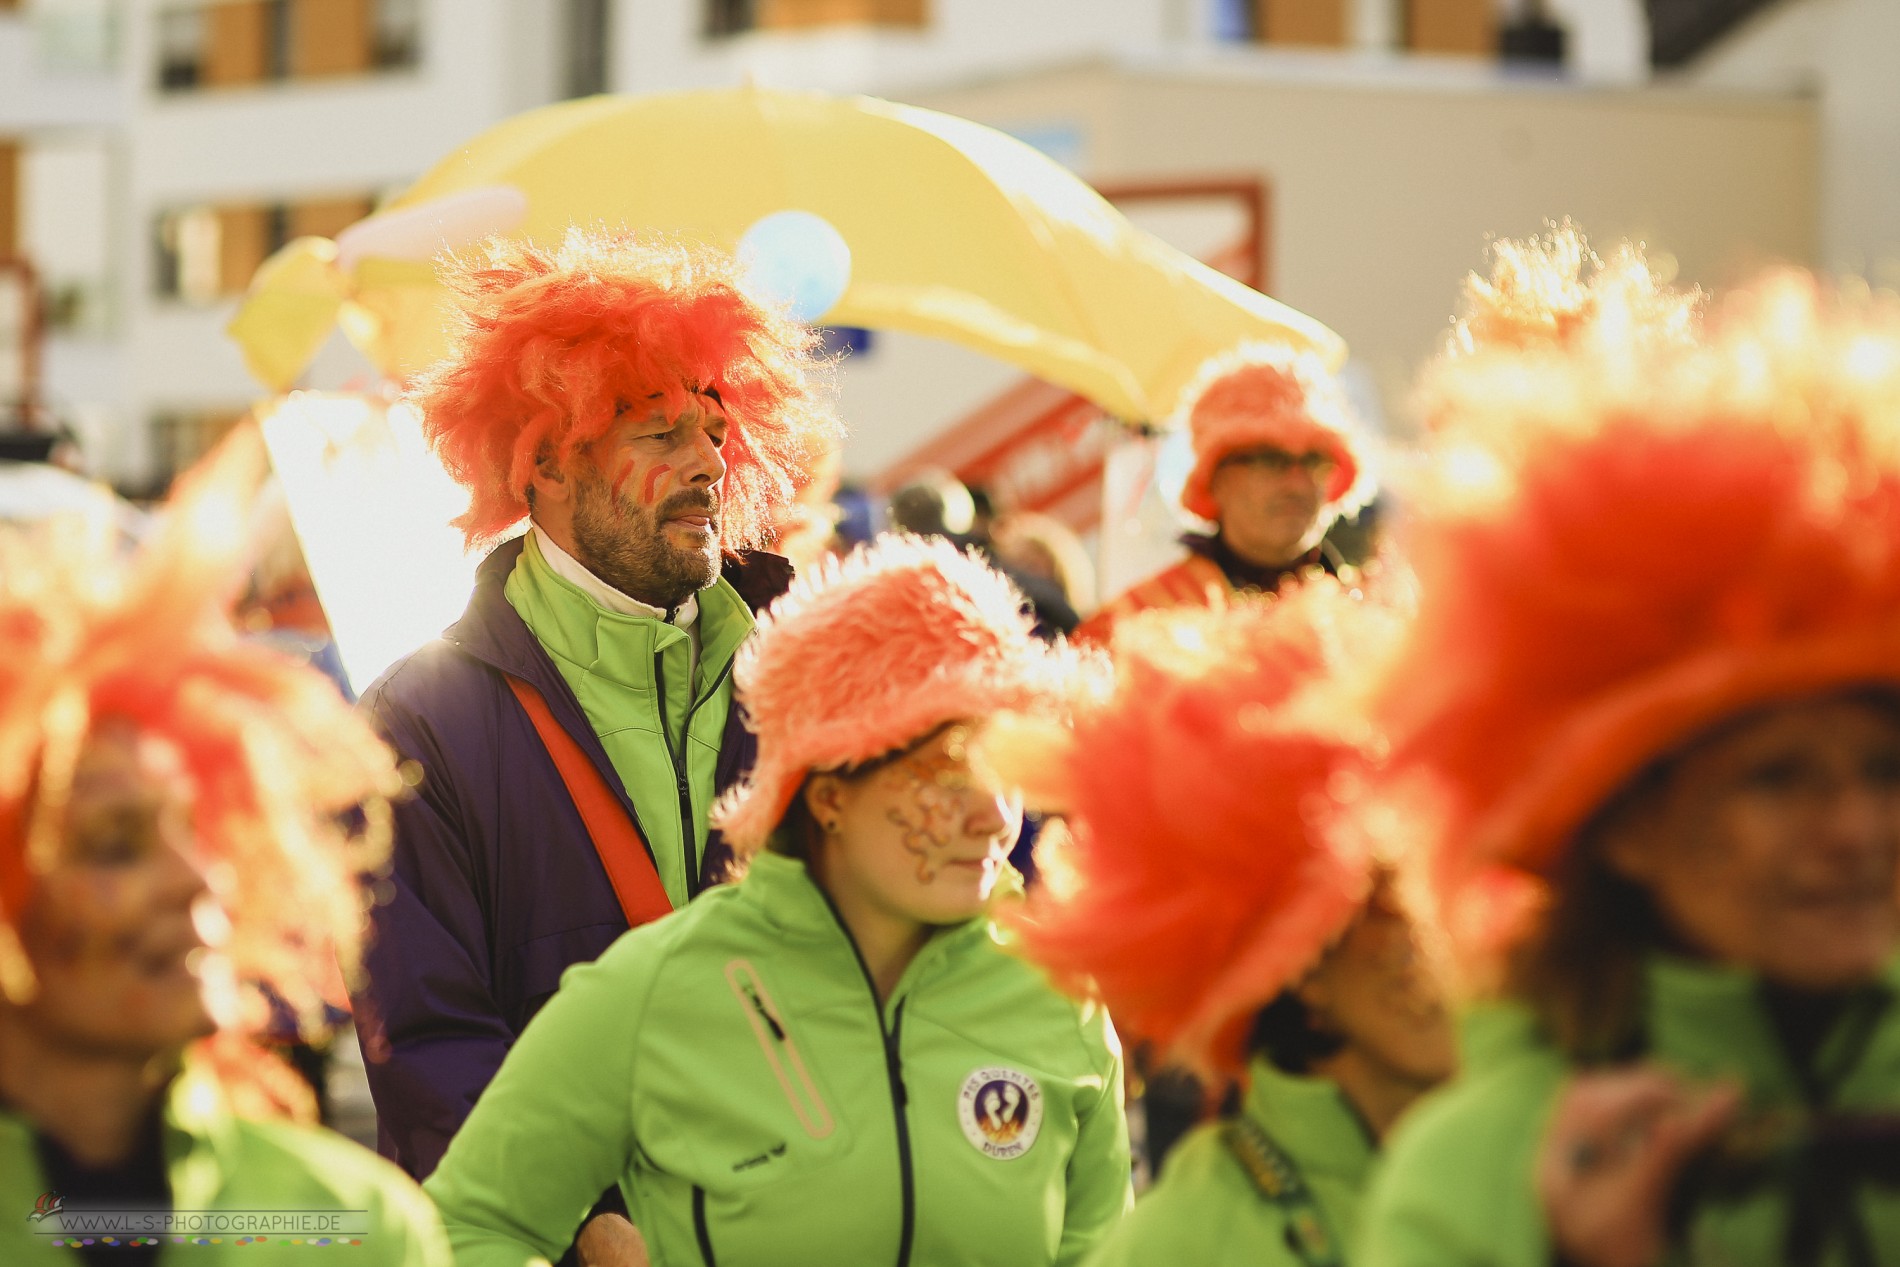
570, 569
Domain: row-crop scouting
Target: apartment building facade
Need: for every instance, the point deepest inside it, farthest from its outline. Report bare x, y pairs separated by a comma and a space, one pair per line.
153, 152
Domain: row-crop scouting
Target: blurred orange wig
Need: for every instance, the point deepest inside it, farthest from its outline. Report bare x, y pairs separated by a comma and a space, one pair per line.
1259, 396
1630, 540
554, 343
1554, 290
1206, 871
273, 754
1552, 296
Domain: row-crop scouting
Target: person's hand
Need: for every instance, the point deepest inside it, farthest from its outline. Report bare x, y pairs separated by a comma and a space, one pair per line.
609, 1240
1610, 1159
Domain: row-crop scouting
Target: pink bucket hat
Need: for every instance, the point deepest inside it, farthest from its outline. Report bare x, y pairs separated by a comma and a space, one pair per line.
1259, 395
863, 657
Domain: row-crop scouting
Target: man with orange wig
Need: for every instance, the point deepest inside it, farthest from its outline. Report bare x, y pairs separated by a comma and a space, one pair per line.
1277, 458
572, 730
175, 868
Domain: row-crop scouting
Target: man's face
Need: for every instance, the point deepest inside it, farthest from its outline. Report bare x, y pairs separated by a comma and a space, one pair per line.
1272, 503
646, 501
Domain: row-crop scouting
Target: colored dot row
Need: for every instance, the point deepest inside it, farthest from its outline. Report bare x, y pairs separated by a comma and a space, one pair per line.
133, 1241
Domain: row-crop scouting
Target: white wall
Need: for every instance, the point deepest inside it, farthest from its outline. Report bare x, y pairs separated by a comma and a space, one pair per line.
1842, 52
658, 44
36, 93
1385, 192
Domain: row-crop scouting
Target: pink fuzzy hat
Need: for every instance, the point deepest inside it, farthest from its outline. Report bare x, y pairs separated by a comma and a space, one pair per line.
865, 656
1259, 395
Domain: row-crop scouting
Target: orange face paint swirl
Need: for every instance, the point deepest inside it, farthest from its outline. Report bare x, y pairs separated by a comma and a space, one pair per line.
651, 481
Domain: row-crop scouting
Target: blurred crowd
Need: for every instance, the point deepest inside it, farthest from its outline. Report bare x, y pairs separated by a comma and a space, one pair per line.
764, 871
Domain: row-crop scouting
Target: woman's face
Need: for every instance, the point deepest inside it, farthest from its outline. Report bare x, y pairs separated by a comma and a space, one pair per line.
1377, 990
113, 929
923, 837
1775, 844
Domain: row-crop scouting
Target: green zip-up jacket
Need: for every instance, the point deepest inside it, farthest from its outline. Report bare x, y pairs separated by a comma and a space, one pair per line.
731, 1067
1457, 1183
660, 718
220, 1163
1209, 1210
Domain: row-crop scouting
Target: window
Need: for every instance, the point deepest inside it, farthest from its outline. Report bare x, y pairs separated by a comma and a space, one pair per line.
398, 34
730, 17
181, 40
226, 43
1234, 21
207, 253
588, 31
1309, 23
9, 198
182, 436
1466, 27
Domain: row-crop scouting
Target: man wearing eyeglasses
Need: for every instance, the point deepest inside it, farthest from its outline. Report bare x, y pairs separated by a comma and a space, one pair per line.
1277, 459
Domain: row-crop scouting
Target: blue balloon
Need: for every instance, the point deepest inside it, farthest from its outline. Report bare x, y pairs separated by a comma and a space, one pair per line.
798, 260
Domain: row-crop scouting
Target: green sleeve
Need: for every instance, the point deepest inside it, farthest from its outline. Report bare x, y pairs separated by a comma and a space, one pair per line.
1203, 1211
555, 1128
1099, 1179
407, 1217
1455, 1186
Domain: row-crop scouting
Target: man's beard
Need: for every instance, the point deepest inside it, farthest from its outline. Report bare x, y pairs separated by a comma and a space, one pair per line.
626, 545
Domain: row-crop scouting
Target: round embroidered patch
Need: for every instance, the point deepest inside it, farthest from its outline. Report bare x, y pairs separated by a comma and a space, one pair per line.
1000, 1111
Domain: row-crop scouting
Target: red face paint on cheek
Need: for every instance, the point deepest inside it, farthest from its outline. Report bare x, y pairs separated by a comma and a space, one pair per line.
625, 471
653, 478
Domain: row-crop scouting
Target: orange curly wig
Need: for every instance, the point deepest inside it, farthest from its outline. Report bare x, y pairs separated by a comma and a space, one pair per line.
553, 343
1630, 540
274, 755
1205, 874
1257, 395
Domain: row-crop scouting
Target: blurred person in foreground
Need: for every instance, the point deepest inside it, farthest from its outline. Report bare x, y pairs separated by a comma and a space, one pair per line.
1649, 718
1214, 898
1277, 458
833, 1061
573, 729
174, 868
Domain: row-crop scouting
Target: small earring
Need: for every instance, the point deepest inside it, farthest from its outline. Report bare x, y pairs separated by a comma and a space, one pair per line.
830, 826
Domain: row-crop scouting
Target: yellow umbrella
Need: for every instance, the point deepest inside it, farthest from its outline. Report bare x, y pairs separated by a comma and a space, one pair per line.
954, 230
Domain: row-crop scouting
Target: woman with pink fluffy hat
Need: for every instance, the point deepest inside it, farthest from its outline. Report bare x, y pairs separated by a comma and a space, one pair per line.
833, 1060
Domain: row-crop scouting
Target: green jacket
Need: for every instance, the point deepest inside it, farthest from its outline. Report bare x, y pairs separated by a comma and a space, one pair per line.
660, 719
1209, 1209
1457, 1182
729, 1065
218, 1162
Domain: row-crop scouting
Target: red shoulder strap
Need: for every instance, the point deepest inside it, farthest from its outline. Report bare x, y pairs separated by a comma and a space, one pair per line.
629, 866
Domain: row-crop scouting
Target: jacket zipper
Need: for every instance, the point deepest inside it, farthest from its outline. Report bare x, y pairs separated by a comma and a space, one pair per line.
900, 1097
781, 1050
693, 881
701, 1232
